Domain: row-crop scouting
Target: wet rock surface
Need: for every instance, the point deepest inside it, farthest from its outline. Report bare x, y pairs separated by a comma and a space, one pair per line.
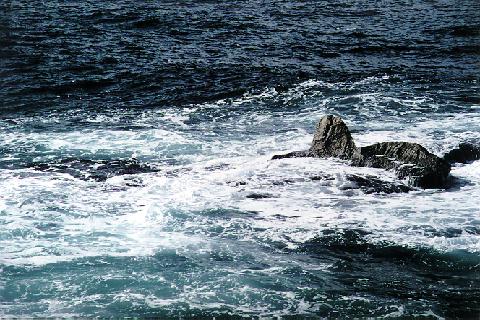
410, 161
333, 139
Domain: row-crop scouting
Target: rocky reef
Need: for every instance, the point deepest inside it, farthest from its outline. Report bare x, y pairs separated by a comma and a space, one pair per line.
464, 153
410, 161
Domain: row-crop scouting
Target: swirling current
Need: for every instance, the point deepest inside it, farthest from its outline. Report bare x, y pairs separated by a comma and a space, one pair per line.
135, 147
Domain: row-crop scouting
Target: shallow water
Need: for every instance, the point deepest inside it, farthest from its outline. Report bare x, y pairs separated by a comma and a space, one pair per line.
135, 147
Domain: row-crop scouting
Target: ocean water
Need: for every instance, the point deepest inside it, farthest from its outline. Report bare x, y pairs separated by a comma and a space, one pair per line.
135, 147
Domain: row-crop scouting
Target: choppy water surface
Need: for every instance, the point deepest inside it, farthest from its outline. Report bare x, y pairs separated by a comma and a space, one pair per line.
134, 159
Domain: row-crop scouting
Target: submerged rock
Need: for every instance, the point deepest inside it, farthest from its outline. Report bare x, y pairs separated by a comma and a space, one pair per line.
95, 170
464, 153
256, 195
294, 154
410, 161
371, 184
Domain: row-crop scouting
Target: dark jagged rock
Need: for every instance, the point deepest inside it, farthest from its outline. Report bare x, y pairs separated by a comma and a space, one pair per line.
410, 161
464, 153
333, 139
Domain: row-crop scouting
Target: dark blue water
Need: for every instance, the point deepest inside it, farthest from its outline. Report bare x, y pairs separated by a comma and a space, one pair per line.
106, 54
135, 140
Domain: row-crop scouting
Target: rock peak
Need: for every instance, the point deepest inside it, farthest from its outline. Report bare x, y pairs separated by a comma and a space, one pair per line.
333, 139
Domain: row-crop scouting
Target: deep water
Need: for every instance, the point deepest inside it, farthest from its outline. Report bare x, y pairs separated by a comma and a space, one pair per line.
135, 147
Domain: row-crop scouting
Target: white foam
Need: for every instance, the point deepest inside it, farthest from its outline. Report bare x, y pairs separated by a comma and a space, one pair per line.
224, 161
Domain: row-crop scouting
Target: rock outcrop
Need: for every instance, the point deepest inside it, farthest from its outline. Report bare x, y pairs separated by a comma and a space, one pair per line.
410, 161
333, 139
